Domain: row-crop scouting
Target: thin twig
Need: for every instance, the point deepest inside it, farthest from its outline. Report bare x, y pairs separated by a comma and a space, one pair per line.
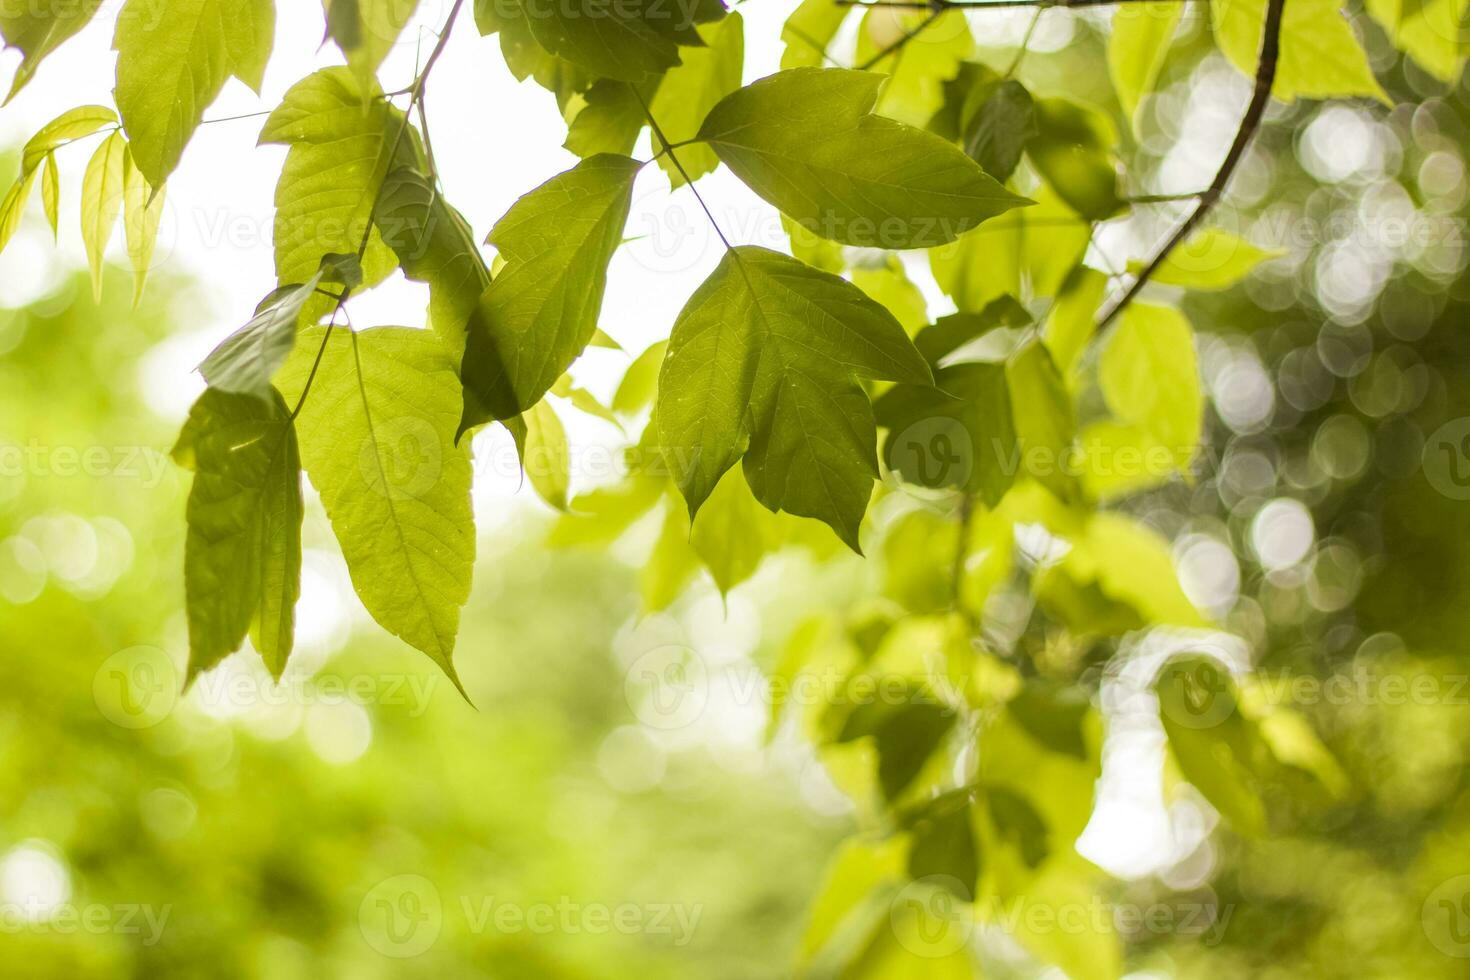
1249, 123
810, 42
668, 148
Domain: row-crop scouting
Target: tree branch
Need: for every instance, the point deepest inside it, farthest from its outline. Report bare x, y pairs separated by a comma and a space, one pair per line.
1249, 123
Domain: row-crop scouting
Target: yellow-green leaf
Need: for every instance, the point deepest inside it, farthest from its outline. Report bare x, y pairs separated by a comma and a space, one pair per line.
1210, 259
143, 210
51, 194
102, 200
1137, 47
1321, 57
691, 90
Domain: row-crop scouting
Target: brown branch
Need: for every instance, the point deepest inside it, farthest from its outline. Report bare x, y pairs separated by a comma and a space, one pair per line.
1249, 123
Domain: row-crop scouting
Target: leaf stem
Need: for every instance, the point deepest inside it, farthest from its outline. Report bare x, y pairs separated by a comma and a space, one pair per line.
669, 149
1249, 123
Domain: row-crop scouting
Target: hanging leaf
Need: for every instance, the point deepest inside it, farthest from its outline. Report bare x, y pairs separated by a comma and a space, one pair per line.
247, 361
545, 456
806, 140
51, 195
1002, 126
142, 213
609, 120
1137, 46
541, 310
341, 138
1150, 379
1427, 31
435, 245
377, 438
690, 91
809, 31
102, 200
1073, 149
366, 30
1045, 419
173, 58
38, 27
242, 557
12, 207
628, 41
764, 363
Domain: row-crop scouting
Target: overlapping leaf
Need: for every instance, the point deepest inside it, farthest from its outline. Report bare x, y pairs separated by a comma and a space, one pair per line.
764, 363
242, 558
807, 141
173, 58
541, 310
377, 439
38, 27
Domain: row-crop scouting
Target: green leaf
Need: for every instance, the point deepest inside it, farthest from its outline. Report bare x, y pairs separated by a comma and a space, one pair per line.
731, 534
435, 245
1216, 748
883, 278
960, 433
1426, 30
524, 56
809, 31
1026, 253
1210, 259
102, 199
609, 120
806, 140
628, 41
948, 334
247, 361
640, 382
1002, 126
545, 455
907, 734
916, 71
38, 27
173, 58
51, 195
541, 311
1321, 57
1137, 47
1045, 418
242, 556
671, 565
690, 91
366, 30
1149, 378
65, 128
341, 138
142, 213
1073, 149
764, 362
12, 208
377, 438
944, 848
1073, 317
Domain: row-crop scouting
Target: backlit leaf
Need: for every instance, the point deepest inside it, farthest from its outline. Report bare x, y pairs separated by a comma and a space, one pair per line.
1321, 57
38, 27
242, 558
807, 141
142, 212
1137, 47
70, 125
377, 439
366, 30
247, 361
173, 58
541, 310
764, 363
691, 90
1210, 259
102, 200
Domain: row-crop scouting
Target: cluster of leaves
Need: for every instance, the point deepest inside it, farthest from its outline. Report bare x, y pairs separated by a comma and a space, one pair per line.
789, 365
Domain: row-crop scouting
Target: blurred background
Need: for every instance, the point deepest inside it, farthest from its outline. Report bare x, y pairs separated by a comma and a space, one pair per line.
362, 820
